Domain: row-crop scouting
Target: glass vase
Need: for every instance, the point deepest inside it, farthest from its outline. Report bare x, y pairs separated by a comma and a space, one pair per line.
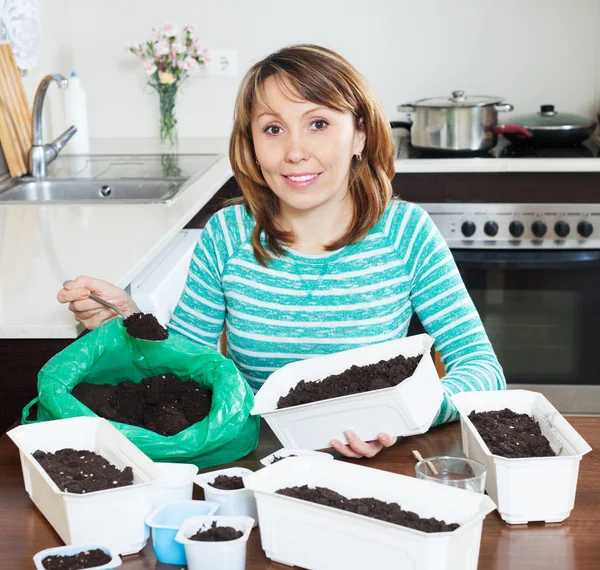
168, 122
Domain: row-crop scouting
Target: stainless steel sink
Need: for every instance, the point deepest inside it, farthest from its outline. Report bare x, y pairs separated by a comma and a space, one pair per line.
95, 191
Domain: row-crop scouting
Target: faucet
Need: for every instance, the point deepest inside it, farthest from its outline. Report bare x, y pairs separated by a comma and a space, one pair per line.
43, 154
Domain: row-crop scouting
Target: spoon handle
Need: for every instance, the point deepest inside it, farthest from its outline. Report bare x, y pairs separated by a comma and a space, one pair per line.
107, 304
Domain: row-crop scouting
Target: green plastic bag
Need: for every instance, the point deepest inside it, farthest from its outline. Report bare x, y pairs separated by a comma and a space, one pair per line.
108, 355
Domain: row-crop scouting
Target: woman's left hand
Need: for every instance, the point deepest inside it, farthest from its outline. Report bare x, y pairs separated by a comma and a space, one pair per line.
358, 448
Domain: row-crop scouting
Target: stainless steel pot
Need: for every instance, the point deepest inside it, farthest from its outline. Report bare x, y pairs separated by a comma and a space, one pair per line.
457, 123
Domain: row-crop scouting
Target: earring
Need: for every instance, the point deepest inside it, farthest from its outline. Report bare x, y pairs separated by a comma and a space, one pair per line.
359, 156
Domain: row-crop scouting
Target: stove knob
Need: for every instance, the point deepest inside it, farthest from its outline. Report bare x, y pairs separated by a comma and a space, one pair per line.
490, 229
468, 229
585, 229
538, 228
562, 229
516, 229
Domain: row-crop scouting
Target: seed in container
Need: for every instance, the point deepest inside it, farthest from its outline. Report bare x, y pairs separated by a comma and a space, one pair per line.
217, 534
354, 380
512, 435
228, 482
84, 559
82, 471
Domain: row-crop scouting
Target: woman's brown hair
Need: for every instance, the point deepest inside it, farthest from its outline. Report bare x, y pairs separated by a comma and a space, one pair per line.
321, 76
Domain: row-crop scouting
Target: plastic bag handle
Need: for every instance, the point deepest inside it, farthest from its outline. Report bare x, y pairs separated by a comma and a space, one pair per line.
26, 411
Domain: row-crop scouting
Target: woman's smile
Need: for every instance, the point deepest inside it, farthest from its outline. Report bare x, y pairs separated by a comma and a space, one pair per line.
301, 180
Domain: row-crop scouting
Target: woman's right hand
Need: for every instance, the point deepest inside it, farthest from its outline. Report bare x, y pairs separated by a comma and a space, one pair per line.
90, 313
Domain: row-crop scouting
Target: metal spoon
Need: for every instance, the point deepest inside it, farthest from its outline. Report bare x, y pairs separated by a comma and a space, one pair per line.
102, 302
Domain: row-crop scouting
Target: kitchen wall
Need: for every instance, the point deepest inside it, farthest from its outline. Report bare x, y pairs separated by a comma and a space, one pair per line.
532, 52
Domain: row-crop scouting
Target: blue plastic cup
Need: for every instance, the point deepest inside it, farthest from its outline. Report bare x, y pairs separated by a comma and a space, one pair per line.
164, 523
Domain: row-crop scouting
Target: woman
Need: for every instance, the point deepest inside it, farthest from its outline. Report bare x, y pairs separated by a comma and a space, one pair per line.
317, 258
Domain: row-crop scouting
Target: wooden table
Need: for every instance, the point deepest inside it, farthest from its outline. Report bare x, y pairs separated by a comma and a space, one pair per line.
573, 544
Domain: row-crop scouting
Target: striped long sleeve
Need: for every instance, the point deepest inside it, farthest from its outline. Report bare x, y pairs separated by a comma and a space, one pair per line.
302, 306
445, 309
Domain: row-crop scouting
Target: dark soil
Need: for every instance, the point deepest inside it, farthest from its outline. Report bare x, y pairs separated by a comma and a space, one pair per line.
276, 458
512, 435
85, 559
163, 404
217, 534
369, 507
228, 482
145, 326
354, 380
82, 471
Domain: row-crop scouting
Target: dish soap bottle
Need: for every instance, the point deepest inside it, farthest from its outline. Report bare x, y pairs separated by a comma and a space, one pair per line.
76, 114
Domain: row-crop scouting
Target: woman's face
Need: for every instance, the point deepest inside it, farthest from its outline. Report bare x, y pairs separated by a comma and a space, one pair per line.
304, 150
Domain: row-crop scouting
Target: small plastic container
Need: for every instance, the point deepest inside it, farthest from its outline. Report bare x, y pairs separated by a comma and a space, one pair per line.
308, 535
166, 520
239, 502
175, 484
287, 451
526, 489
112, 517
406, 409
115, 559
228, 555
456, 472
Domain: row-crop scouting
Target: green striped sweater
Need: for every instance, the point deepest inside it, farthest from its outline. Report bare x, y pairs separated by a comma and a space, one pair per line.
308, 305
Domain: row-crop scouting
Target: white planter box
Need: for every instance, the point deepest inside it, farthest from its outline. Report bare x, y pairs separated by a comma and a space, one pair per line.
238, 502
308, 535
406, 409
112, 517
526, 489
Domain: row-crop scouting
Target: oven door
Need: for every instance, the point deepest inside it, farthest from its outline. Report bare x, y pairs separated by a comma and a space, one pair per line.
541, 310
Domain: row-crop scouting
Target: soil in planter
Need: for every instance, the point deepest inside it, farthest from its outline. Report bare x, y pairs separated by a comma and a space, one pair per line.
369, 507
354, 380
276, 458
85, 559
217, 534
510, 434
163, 404
82, 471
145, 326
228, 482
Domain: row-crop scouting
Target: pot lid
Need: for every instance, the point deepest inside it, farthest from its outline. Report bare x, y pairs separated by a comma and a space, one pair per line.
458, 99
547, 118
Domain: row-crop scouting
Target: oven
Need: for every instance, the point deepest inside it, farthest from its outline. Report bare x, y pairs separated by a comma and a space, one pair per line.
527, 245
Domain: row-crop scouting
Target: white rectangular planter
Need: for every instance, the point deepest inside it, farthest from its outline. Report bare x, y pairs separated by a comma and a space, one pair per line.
526, 489
112, 517
406, 409
339, 540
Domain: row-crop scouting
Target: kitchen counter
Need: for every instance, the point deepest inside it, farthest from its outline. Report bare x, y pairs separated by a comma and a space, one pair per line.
44, 244
573, 544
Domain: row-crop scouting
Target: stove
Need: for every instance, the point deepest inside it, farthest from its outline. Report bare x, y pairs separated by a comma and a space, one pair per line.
511, 197
523, 224
504, 149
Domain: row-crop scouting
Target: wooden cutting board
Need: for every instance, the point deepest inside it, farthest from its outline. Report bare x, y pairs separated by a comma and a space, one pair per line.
15, 114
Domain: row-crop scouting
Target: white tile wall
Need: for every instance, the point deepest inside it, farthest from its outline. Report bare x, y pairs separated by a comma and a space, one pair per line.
531, 52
